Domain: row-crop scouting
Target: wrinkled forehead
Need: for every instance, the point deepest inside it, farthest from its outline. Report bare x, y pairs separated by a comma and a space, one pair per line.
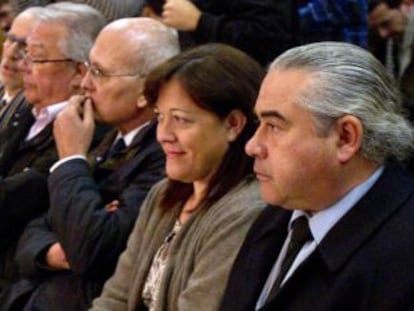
112, 50
45, 38
22, 26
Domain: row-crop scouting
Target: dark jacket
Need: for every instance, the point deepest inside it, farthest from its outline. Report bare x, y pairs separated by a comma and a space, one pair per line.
91, 237
364, 262
24, 168
261, 28
15, 105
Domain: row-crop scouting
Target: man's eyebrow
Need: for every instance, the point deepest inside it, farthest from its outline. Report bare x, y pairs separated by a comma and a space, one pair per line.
271, 114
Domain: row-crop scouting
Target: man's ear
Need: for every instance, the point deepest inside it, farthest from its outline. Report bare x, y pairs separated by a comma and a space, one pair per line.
350, 132
235, 122
80, 72
141, 102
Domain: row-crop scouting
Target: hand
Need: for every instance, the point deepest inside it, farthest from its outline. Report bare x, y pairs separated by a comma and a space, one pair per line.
74, 127
181, 14
56, 258
112, 206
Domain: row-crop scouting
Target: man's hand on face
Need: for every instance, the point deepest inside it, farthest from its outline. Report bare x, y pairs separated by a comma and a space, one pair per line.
74, 127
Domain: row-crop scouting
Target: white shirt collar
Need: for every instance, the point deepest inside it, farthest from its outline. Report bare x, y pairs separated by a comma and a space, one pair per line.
44, 117
321, 222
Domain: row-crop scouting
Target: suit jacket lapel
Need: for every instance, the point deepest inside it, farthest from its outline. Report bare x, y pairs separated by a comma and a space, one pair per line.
40, 141
12, 136
386, 196
256, 258
131, 153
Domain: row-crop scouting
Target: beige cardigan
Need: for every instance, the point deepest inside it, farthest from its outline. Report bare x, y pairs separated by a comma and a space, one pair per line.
200, 258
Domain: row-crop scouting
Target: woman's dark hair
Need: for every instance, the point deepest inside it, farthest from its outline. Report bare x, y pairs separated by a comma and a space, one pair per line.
220, 79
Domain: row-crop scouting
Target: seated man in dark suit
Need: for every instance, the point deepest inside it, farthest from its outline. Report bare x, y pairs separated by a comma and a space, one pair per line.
52, 66
11, 88
71, 252
341, 233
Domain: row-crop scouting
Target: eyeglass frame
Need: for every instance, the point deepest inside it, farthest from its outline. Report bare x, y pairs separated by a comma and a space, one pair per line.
25, 56
97, 74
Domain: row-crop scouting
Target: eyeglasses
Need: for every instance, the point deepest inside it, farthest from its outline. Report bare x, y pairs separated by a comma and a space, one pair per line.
30, 60
18, 44
98, 74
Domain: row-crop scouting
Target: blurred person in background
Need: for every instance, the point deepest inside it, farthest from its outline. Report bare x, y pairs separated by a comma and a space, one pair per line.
6, 15
11, 89
391, 24
261, 28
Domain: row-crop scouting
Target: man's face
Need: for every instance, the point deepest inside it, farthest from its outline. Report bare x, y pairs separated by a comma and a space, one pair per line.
111, 83
294, 164
12, 47
6, 16
387, 22
49, 76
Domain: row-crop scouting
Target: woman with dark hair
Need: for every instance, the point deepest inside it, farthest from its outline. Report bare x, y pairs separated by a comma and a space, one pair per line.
193, 223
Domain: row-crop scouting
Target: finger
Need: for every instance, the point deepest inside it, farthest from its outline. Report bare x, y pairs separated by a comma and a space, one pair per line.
88, 115
66, 265
75, 101
111, 209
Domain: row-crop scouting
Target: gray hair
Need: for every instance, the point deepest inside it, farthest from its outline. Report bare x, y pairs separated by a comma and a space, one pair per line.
33, 13
82, 24
348, 80
150, 42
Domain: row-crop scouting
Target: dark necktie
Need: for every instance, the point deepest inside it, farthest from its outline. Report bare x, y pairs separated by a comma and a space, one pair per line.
117, 148
300, 235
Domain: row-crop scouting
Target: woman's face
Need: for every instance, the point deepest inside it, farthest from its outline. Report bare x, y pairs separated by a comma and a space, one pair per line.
194, 140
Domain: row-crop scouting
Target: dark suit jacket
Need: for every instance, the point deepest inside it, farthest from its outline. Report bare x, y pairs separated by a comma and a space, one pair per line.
15, 105
364, 263
23, 182
91, 237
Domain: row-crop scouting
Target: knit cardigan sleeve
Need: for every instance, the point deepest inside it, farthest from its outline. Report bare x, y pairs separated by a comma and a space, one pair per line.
111, 9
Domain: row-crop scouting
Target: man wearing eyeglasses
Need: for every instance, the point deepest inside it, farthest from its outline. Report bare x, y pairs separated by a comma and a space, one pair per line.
27, 148
95, 198
11, 88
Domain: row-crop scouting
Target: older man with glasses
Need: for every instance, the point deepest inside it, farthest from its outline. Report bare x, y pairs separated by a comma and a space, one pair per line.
95, 198
27, 147
11, 88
